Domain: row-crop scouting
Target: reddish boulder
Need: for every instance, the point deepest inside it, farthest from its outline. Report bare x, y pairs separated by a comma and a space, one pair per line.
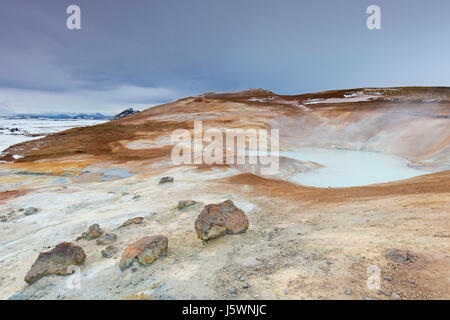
219, 219
56, 261
144, 251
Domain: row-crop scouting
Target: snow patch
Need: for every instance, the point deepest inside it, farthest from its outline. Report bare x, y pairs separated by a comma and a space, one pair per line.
280, 101
14, 130
348, 98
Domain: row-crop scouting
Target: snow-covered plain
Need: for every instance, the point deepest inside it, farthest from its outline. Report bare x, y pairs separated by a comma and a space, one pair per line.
40, 127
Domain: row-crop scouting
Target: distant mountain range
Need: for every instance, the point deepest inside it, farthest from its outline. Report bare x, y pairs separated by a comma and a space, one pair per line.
63, 116
69, 116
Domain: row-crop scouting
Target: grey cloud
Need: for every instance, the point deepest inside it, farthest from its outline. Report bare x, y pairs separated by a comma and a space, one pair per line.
288, 46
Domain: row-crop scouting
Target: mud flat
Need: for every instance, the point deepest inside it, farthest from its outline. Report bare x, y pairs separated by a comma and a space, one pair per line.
303, 242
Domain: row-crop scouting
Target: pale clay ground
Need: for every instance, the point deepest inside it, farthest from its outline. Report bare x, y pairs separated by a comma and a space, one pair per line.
291, 250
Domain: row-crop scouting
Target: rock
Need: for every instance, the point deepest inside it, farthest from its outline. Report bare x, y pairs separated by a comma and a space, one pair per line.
145, 251
107, 238
136, 196
109, 251
30, 211
348, 291
183, 204
56, 261
137, 220
93, 232
219, 219
3, 219
397, 256
165, 180
245, 285
233, 291
387, 278
242, 278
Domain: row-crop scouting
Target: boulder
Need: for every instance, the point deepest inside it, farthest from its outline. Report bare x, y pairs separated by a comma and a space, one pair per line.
93, 232
137, 220
107, 238
109, 251
165, 180
144, 251
56, 261
219, 219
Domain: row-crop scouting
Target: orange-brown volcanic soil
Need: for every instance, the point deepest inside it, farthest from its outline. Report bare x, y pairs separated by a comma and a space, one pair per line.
302, 243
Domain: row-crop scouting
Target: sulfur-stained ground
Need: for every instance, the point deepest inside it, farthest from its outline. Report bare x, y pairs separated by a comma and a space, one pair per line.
302, 243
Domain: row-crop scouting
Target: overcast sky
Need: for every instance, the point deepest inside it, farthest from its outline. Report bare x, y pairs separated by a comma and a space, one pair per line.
145, 52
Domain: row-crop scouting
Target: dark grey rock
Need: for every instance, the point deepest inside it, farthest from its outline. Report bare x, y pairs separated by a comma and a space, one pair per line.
30, 211
165, 180
397, 255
